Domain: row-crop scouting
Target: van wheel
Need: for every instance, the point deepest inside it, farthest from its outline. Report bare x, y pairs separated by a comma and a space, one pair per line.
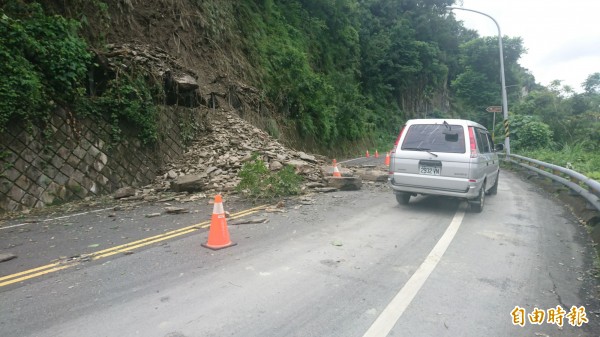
477, 204
494, 189
403, 198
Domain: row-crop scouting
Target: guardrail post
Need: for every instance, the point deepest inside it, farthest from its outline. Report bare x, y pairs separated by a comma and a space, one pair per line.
591, 190
555, 183
532, 174
574, 181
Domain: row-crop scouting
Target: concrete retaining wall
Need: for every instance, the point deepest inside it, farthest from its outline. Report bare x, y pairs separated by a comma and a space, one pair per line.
70, 160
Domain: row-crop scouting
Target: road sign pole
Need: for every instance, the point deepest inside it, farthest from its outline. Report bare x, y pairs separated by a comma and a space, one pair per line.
494, 128
504, 99
494, 109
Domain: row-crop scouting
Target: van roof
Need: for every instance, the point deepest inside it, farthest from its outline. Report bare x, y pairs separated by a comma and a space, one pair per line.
442, 120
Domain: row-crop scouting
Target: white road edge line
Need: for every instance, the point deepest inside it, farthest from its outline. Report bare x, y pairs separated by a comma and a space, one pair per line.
57, 218
394, 310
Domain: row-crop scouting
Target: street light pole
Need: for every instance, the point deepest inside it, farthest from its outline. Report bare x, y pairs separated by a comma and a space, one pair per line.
504, 99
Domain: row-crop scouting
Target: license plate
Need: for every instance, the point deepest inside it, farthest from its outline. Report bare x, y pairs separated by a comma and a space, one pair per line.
430, 170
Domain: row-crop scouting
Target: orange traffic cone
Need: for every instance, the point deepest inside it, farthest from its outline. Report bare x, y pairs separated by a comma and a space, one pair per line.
336, 172
376, 154
218, 235
387, 158
367, 153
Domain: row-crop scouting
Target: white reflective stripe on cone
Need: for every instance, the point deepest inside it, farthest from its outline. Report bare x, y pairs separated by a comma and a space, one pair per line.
218, 208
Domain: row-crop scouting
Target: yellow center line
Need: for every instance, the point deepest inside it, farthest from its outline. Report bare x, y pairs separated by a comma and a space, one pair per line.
2, 284
157, 238
129, 248
29, 271
50, 268
170, 234
146, 240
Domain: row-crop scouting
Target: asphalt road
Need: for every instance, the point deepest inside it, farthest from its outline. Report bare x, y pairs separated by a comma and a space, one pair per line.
336, 264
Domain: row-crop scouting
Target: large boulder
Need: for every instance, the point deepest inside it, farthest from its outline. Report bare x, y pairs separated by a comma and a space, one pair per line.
345, 183
188, 183
185, 82
372, 174
124, 192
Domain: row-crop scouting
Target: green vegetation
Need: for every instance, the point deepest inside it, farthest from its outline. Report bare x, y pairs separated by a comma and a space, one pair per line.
347, 71
126, 100
528, 132
45, 63
558, 126
42, 61
258, 182
305, 86
577, 157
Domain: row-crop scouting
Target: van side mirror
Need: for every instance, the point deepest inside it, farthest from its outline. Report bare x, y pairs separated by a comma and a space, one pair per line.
499, 147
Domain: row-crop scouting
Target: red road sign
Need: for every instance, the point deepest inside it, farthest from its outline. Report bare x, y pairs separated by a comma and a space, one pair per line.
494, 108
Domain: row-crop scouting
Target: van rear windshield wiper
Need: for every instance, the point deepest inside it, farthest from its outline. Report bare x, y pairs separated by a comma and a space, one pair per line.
420, 149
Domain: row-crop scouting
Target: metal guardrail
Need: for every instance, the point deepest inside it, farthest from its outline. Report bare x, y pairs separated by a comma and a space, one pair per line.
565, 176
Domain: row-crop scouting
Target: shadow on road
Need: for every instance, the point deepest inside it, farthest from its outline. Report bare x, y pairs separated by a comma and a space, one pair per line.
433, 204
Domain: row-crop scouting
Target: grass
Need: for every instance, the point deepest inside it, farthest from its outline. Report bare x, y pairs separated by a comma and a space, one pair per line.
578, 157
258, 182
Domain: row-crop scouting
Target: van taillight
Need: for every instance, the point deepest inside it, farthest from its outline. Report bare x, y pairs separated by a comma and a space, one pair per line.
398, 139
472, 141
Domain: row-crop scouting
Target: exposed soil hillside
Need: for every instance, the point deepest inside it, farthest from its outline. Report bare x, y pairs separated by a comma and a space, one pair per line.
203, 37
176, 38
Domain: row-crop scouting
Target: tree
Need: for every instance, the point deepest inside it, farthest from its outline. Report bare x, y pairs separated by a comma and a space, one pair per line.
529, 133
592, 84
479, 83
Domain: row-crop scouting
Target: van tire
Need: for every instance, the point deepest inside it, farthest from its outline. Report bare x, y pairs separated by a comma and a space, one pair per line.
494, 189
403, 198
477, 204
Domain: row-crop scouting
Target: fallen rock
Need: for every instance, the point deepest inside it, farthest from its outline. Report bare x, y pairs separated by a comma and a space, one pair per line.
176, 210
372, 174
171, 174
248, 221
189, 183
185, 82
300, 165
345, 183
124, 192
275, 166
7, 257
314, 185
307, 157
325, 189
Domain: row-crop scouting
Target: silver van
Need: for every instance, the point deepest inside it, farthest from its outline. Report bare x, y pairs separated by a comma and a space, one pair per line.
446, 157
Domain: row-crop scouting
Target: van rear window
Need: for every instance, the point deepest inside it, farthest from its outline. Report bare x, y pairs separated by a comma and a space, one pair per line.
435, 138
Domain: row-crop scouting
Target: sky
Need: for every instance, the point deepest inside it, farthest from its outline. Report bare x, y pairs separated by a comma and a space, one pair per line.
562, 38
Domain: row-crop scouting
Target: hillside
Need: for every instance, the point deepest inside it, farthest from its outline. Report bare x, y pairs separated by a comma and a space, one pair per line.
199, 36
309, 73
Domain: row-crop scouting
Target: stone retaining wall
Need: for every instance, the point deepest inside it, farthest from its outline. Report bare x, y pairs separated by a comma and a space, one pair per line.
71, 160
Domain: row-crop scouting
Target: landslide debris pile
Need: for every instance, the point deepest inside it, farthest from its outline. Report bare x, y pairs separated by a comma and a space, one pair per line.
213, 161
